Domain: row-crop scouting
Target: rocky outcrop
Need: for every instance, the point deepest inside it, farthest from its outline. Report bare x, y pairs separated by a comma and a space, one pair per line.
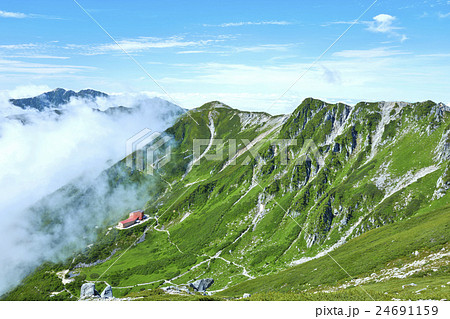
107, 293
88, 291
141, 240
336, 148
95, 263
176, 290
202, 284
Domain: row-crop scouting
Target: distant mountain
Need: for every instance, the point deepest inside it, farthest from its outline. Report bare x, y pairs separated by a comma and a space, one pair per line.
55, 98
53, 103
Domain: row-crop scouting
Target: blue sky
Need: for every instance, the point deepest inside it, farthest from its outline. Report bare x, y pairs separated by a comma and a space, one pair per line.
243, 53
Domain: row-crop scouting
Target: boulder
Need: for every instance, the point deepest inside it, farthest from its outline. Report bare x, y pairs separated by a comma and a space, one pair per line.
202, 284
107, 293
246, 295
88, 291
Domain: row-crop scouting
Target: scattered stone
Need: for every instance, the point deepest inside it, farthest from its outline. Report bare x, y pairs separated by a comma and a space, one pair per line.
184, 289
202, 284
141, 240
411, 284
418, 291
88, 291
95, 263
107, 293
73, 274
176, 290
246, 295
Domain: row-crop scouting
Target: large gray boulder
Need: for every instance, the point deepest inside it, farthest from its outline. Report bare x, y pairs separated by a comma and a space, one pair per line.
202, 284
107, 293
88, 291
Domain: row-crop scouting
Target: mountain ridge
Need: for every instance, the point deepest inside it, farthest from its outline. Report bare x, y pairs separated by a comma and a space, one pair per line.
232, 222
55, 98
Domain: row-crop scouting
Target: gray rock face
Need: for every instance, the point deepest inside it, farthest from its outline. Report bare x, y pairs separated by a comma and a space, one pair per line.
88, 291
337, 148
107, 293
202, 284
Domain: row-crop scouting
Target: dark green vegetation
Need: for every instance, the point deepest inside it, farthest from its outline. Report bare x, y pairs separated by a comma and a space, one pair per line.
368, 183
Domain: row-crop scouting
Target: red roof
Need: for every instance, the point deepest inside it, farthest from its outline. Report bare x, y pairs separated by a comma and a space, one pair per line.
132, 219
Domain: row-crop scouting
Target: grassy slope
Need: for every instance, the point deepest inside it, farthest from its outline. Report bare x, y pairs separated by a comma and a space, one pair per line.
371, 252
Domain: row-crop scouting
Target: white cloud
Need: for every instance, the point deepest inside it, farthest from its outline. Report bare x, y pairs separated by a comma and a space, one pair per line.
15, 66
436, 55
144, 43
22, 46
141, 44
331, 76
44, 50
263, 47
191, 52
242, 23
230, 50
370, 53
20, 15
210, 46
341, 22
38, 57
382, 23
25, 91
403, 38
443, 15
17, 15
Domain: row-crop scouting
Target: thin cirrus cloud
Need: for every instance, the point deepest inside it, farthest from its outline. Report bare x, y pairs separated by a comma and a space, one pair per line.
444, 15
140, 44
21, 15
16, 15
242, 23
382, 52
229, 50
21, 46
30, 51
38, 57
15, 66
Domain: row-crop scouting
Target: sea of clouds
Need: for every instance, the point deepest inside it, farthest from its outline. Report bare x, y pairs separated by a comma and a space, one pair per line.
40, 152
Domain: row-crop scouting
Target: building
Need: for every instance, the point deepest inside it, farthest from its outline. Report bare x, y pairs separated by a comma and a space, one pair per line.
139, 214
134, 217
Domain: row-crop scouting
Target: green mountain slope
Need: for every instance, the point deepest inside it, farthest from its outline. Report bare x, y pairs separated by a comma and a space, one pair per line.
379, 260
264, 207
